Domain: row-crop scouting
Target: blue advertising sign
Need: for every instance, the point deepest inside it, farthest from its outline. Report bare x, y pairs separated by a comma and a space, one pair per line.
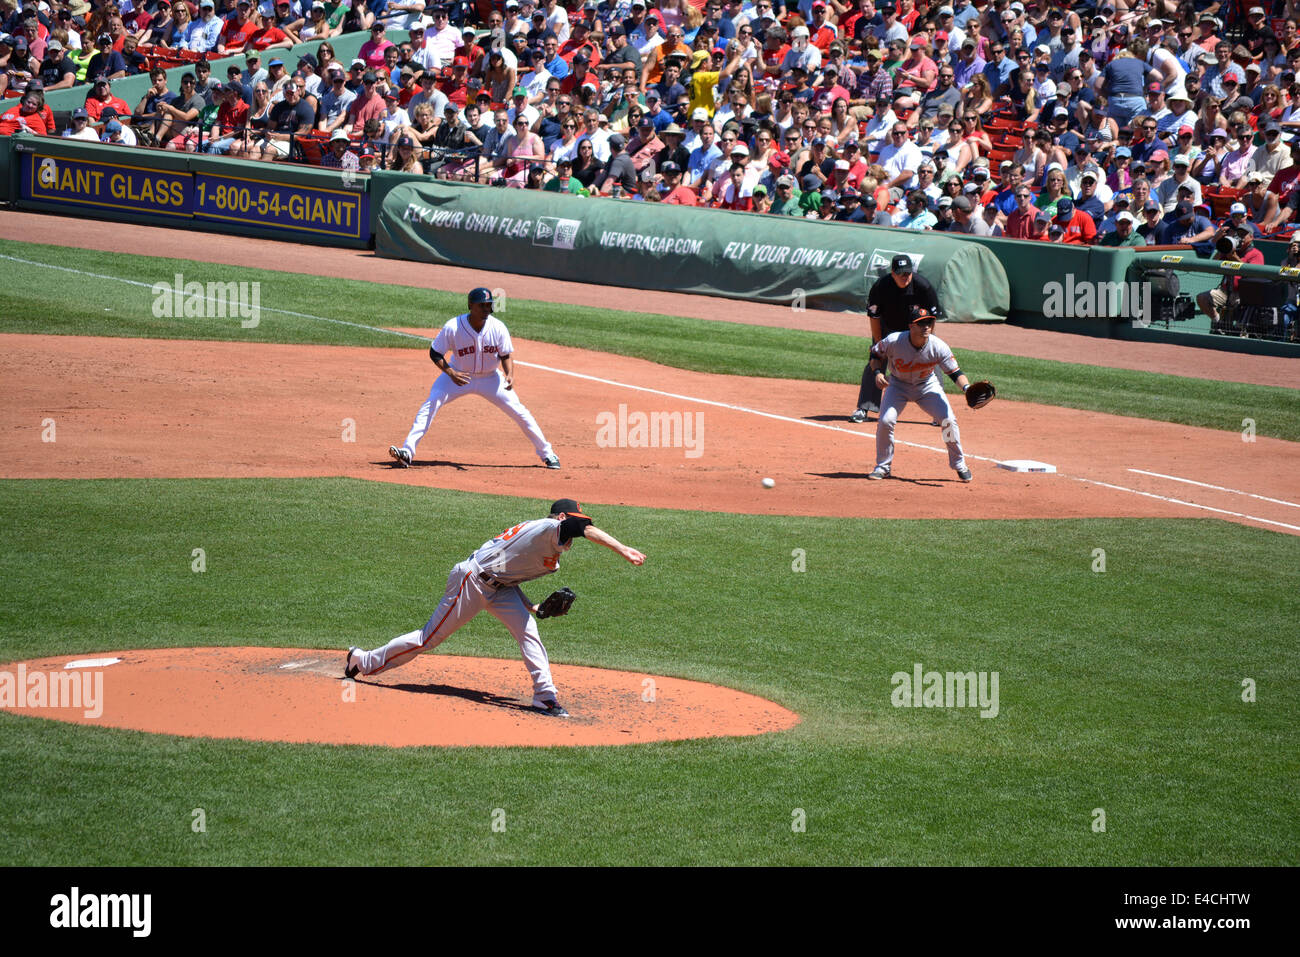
298, 207
77, 182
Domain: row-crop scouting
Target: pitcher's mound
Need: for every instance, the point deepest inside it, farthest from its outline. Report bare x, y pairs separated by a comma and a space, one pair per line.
283, 694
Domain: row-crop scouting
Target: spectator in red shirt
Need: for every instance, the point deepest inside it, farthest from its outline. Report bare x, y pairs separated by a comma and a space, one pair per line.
235, 34
26, 115
267, 36
579, 39
1020, 221
457, 89
101, 96
232, 115
369, 104
821, 32
1077, 227
675, 193
733, 195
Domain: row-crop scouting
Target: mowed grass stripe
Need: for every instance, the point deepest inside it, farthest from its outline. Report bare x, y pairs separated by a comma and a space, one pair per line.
1120, 690
83, 305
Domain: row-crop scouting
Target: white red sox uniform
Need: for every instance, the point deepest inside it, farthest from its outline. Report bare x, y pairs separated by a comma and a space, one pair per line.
915, 379
478, 355
489, 581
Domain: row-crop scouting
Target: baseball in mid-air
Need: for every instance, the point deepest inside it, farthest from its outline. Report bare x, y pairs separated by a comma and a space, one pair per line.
768, 483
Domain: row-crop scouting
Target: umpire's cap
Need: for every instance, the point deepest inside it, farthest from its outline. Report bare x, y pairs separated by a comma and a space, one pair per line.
567, 506
480, 295
901, 264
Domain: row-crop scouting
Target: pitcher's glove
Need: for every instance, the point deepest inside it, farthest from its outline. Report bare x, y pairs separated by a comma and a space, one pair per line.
980, 394
556, 603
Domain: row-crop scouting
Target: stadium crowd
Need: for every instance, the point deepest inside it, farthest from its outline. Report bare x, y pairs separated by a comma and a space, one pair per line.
1129, 122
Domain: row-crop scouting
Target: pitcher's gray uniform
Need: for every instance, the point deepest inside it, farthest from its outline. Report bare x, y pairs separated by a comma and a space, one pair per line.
914, 379
489, 580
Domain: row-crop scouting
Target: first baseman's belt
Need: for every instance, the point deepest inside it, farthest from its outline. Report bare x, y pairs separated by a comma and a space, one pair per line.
485, 577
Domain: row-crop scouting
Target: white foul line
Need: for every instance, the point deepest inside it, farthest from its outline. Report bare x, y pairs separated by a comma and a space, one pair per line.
722, 405
1217, 488
915, 445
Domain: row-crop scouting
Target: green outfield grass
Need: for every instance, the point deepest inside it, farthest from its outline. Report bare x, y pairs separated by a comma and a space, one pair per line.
76, 304
1118, 690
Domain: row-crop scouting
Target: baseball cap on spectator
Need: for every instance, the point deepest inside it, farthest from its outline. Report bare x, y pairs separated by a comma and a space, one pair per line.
962, 203
617, 140
1236, 208
669, 167
779, 159
614, 30
1158, 155
1065, 208
700, 113
739, 149
358, 62
405, 140
1182, 159
945, 202
698, 57
830, 195
113, 126
810, 183
519, 91
1123, 199
108, 112
1154, 88
339, 135
80, 113
651, 94
206, 3
901, 264
1125, 217
799, 31
785, 181
867, 200
971, 188
1183, 210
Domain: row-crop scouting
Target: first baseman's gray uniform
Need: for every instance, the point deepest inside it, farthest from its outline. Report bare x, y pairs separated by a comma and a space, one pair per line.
914, 380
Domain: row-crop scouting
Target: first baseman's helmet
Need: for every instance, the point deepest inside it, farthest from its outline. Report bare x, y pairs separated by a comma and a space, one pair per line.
480, 295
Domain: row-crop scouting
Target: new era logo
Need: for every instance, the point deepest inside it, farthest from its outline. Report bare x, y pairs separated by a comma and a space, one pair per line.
557, 233
881, 259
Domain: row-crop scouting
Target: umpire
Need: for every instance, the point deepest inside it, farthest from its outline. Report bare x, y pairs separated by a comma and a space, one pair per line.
889, 307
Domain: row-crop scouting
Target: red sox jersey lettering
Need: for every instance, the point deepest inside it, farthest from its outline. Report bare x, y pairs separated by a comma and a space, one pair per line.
474, 353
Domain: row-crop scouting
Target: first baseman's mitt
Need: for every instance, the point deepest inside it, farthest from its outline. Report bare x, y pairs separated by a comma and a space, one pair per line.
980, 394
557, 603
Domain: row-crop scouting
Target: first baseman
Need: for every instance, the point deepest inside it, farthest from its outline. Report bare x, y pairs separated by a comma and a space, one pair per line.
915, 355
489, 580
474, 352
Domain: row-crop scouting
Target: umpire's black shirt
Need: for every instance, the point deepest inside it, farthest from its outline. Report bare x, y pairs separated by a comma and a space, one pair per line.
893, 306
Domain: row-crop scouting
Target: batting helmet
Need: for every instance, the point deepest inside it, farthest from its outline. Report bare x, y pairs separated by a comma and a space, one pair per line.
480, 295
